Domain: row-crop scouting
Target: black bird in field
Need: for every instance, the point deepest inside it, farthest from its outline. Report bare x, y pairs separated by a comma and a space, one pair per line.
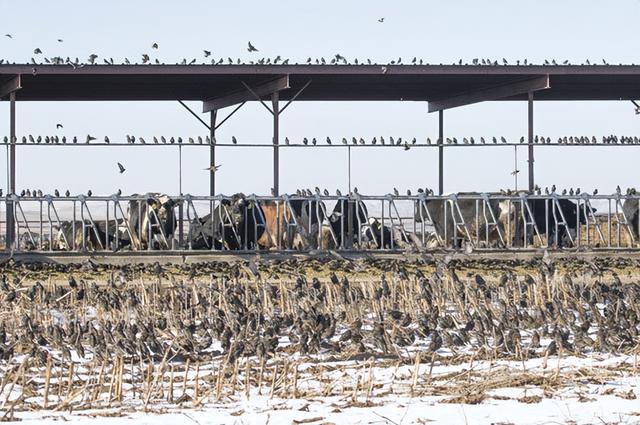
251, 47
121, 168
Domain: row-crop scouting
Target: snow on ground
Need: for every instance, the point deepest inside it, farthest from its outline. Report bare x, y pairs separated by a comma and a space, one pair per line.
572, 390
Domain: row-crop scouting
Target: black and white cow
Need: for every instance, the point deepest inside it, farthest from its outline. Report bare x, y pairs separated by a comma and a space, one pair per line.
447, 215
243, 223
70, 235
152, 221
377, 236
341, 229
557, 218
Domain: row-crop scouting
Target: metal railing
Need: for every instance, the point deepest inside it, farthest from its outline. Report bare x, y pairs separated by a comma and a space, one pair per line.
421, 222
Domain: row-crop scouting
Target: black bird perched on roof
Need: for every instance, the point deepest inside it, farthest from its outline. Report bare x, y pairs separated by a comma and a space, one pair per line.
67, 193
328, 140
251, 47
56, 193
89, 193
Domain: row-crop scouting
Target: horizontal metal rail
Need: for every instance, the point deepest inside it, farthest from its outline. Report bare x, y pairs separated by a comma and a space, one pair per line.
417, 222
324, 145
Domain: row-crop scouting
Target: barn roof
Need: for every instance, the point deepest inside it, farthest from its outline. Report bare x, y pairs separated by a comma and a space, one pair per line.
325, 82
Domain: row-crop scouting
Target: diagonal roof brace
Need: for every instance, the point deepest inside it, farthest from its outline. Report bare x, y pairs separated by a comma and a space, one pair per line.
10, 85
247, 93
491, 93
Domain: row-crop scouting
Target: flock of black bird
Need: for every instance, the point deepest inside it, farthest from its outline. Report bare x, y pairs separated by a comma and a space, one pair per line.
38, 193
352, 141
336, 59
319, 307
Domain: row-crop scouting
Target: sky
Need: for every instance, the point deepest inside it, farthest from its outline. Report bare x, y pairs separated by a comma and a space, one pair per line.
438, 32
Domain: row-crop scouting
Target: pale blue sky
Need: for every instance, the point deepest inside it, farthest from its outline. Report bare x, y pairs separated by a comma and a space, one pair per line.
436, 31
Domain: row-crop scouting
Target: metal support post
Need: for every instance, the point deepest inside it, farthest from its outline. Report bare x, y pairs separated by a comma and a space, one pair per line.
440, 152
212, 153
11, 184
180, 206
530, 129
276, 158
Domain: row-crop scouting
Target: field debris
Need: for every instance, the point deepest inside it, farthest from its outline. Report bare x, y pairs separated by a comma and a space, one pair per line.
321, 341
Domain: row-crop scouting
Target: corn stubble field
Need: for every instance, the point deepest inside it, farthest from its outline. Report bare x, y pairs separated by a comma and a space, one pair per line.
412, 340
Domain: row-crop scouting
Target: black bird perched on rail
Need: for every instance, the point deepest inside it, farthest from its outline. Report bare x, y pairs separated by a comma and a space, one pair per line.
234, 140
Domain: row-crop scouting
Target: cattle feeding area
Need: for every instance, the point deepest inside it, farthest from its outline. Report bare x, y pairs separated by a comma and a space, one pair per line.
323, 340
308, 222
309, 307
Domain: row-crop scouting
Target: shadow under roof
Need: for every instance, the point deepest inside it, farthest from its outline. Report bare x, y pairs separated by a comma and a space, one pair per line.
328, 82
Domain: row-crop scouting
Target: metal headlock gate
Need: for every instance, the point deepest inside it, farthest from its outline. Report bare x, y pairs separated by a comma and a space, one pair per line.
477, 221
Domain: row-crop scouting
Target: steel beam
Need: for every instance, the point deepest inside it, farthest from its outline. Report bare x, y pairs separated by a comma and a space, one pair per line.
250, 93
11, 184
193, 113
440, 152
275, 98
491, 93
11, 85
530, 134
212, 153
